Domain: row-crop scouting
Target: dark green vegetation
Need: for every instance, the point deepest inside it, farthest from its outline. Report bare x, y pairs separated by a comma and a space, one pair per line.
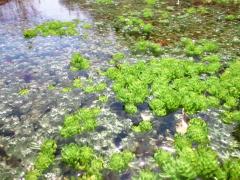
52, 28
194, 158
83, 120
44, 160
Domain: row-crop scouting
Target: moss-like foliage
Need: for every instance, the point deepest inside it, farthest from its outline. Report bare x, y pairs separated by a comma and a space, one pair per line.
232, 167
83, 158
104, 2
95, 88
147, 47
193, 48
44, 159
77, 83
52, 28
144, 126
119, 161
172, 83
133, 26
24, 92
146, 175
148, 13
78, 62
83, 120
117, 58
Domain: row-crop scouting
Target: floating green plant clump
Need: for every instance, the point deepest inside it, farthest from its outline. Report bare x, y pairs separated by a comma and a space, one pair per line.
133, 26
83, 158
191, 161
104, 1
172, 83
52, 28
83, 120
146, 175
144, 126
78, 62
96, 88
44, 159
198, 48
147, 47
119, 161
117, 58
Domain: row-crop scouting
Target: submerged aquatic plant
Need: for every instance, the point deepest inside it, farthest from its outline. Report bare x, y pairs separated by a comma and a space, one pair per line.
144, 126
52, 28
119, 161
133, 26
24, 92
78, 62
44, 159
104, 1
146, 175
82, 158
83, 120
147, 47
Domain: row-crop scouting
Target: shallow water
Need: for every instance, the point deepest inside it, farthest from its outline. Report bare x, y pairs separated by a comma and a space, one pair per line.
25, 121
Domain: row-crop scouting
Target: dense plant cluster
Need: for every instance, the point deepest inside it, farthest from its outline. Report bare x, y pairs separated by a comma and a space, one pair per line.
78, 62
147, 47
52, 28
44, 159
144, 126
194, 158
119, 161
83, 158
83, 120
133, 26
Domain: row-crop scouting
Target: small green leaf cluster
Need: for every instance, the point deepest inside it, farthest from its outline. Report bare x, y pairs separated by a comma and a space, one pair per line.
95, 88
83, 120
194, 10
119, 161
78, 62
144, 126
148, 13
117, 58
52, 28
146, 175
24, 92
151, 2
147, 47
191, 161
82, 158
232, 167
44, 159
104, 1
133, 26
198, 48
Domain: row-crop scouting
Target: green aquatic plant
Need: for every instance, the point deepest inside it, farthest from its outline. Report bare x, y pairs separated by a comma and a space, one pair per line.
78, 62
148, 13
197, 131
232, 168
146, 175
44, 159
150, 2
87, 26
117, 58
84, 120
77, 83
130, 108
95, 88
197, 48
66, 90
104, 1
133, 26
103, 98
24, 92
82, 158
52, 28
147, 47
230, 117
119, 161
51, 87
144, 126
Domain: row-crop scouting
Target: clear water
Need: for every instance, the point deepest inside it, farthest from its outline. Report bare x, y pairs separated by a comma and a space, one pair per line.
25, 121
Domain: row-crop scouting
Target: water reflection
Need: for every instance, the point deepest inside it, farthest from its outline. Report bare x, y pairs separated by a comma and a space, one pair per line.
15, 10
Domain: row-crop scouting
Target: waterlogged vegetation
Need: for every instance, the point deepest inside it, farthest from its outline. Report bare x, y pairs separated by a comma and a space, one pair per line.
52, 28
151, 91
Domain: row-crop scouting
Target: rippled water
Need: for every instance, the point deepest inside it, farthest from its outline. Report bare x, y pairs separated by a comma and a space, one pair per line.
37, 63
